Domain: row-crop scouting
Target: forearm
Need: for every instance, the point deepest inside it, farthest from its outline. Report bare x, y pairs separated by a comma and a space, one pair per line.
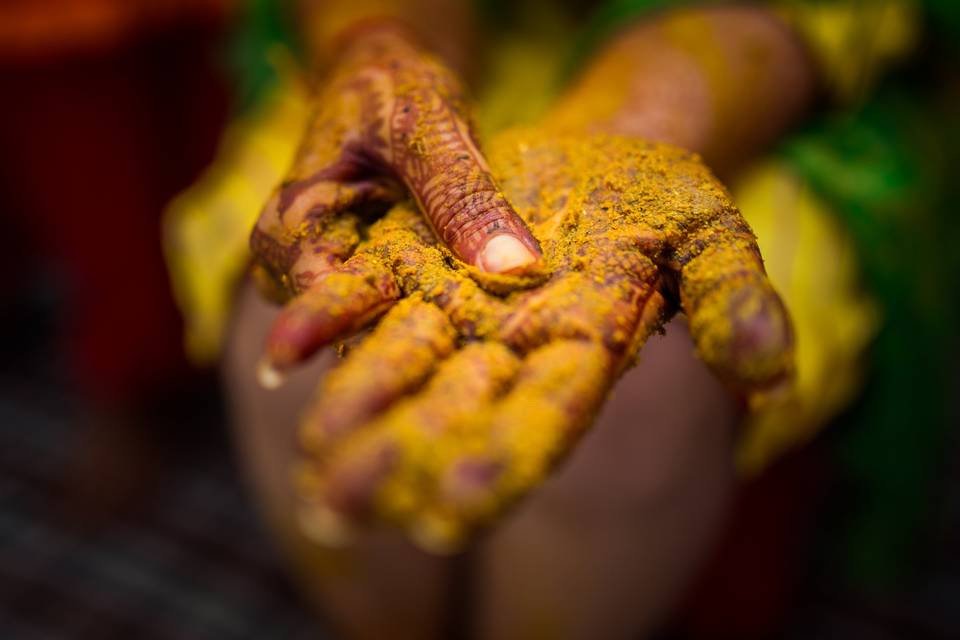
724, 82
446, 28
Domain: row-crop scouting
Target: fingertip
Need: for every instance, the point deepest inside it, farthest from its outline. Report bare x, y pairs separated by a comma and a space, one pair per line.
754, 346
295, 334
763, 340
336, 306
269, 377
505, 254
324, 526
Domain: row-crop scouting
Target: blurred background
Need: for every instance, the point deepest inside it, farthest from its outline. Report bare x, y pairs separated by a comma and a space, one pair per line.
123, 511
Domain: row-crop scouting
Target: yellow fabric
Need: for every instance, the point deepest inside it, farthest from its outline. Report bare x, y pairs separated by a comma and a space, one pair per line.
207, 227
853, 41
813, 264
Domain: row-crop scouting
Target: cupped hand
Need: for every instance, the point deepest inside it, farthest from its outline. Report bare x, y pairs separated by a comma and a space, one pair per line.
389, 120
474, 385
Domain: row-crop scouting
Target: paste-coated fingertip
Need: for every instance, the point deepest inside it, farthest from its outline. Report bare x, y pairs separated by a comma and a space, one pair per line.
269, 376
763, 342
324, 526
505, 254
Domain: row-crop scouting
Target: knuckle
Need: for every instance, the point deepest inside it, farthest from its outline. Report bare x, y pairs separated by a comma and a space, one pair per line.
277, 257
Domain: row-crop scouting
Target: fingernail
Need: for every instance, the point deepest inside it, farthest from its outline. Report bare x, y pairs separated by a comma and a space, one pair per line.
504, 253
325, 527
268, 376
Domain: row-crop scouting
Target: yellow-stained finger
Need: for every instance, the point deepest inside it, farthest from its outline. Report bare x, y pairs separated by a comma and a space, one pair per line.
388, 468
339, 302
556, 393
737, 320
400, 353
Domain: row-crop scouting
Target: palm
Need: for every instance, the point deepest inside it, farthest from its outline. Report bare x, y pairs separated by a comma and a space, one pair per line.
472, 387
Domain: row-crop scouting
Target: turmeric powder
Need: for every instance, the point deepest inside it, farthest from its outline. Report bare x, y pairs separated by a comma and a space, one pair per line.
468, 392
477, 380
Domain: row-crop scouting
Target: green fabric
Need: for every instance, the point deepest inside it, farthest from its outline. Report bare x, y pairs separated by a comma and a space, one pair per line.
261, 26
886, 171
945, 21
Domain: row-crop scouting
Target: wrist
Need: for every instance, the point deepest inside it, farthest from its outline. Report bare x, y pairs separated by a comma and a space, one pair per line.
375, 38
723, 82
331, 36
437, 26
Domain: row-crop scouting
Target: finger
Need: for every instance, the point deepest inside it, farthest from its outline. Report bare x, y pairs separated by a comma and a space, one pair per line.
403, 240
339, 302
395, 358
388, 467
396, 260
304, 228
286, 263
640, 502
557, 391
738, 322
320, 196
435, 156
603, 303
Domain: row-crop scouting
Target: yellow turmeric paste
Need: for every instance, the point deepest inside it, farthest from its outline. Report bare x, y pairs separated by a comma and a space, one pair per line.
475, 383
466, 394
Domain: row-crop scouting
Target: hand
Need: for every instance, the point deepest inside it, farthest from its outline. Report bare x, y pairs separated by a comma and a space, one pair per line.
389, 120
472, 387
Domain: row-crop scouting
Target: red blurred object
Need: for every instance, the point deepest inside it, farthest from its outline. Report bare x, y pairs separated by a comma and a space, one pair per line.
55, 29
95, 138
749, 584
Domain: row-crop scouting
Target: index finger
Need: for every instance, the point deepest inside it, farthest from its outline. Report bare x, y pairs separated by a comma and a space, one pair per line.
436, 157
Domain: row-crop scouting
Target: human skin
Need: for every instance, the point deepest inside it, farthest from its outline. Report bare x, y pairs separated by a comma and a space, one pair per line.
544, 572
467, 392
722, 81
390, 119
499, 608
601, 550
